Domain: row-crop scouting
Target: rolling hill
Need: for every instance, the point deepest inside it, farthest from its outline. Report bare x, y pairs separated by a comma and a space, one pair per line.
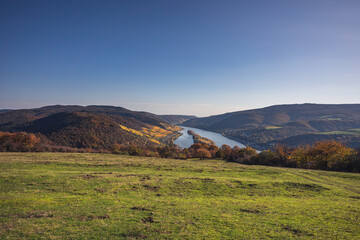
90, 127
101, 126
5, 110
264, 127
176, 119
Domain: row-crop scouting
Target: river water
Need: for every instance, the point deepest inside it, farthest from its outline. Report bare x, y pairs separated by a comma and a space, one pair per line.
186, 140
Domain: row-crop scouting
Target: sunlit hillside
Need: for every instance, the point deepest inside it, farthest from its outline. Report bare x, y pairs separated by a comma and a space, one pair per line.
104, 196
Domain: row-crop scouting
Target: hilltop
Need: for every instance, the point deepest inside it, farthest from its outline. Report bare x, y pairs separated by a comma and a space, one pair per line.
264, 127
108, 196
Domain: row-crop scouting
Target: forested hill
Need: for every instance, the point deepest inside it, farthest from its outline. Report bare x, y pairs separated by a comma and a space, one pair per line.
5, 110
267, 126
91, 126
176, 119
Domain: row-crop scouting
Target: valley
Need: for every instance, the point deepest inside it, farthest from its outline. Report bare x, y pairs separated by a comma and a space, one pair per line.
186, 140
99, 127
293, 125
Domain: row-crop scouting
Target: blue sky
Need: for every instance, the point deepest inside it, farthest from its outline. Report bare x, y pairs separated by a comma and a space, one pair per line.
179, 57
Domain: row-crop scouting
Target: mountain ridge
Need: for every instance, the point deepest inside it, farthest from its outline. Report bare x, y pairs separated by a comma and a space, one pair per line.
176, 119
98, 126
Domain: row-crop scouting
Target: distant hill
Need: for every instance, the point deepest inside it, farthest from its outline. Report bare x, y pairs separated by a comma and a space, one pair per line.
90, 127
176, 119
350, 137
5, 110
264, 127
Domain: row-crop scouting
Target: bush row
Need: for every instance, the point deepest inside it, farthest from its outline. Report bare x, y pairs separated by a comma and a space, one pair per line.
323, 155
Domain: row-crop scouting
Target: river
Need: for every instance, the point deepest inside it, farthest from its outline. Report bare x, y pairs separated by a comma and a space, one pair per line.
186, 140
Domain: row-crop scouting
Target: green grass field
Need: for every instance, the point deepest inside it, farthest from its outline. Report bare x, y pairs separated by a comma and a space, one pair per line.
100, 196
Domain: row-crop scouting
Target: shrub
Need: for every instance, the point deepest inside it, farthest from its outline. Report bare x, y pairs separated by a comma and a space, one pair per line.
202, 153
242, 155
18, 142
328, 155
266, 157
226, 151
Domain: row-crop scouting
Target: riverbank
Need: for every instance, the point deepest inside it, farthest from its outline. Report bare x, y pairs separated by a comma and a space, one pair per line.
199, 139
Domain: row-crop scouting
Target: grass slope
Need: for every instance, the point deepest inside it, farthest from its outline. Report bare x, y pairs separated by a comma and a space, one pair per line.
98, 196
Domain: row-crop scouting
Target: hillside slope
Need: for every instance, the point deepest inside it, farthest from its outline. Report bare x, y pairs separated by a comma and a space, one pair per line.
90, 127
5, 110
111, 196
265, 126
176, 119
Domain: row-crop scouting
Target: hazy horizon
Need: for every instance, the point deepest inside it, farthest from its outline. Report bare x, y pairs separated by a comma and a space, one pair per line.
179, 57
159, 113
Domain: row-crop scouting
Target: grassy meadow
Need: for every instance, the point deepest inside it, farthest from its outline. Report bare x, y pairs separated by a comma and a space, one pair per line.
103, 196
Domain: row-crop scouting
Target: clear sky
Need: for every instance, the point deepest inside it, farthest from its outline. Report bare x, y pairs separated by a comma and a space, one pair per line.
179, 56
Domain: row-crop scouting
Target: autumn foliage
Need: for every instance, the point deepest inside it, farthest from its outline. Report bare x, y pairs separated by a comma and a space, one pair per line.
323, 155
18, 142
29, 142
202, 153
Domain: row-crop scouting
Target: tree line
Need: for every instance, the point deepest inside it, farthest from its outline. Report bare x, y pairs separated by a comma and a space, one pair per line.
323, 155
